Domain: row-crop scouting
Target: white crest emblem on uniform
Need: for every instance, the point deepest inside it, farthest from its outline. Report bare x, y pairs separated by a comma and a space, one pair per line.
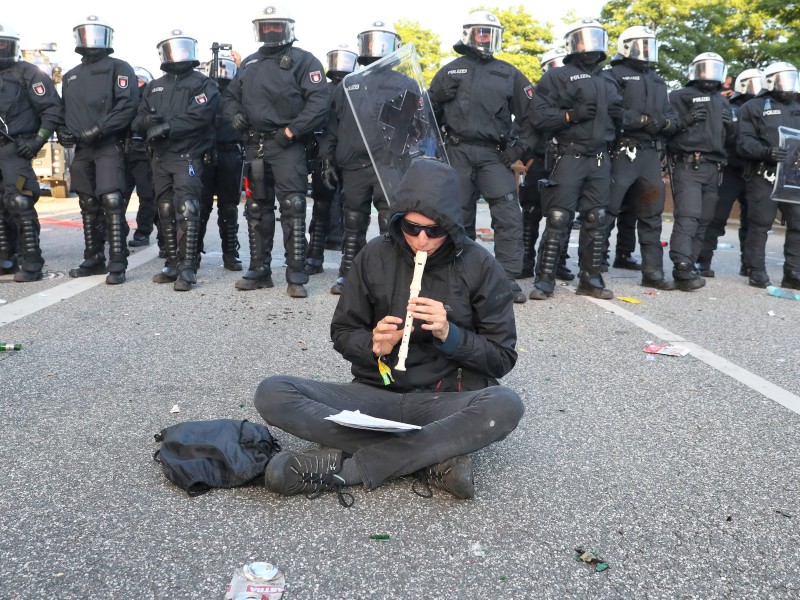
529, 91
201, 99
122, 81
316, 76
38, 88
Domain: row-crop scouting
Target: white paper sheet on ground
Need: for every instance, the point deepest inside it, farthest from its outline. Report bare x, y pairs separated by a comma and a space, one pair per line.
358, 420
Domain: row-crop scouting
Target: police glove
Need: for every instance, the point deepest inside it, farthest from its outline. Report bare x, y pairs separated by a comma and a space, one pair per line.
697, 115
585, 112
91, 135
329, 177
240, 122
159, 131
511, 155
777, 154
653, 125
29, 148
66, 138
449, 89
283, 140
727, 117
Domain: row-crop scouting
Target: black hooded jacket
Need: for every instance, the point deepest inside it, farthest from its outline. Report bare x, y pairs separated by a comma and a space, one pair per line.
462, 274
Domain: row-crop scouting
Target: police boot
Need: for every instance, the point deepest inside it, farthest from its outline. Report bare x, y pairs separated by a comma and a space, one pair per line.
686, 278
758, 278
229, 236
114, 207
656, 279
31, 261
169, 231
8, 259
517, 295
333, 241
316, 245
355, 230
188, 246
293, 219
94, 260
549, 253
530, 233
703, 267
260, 234
590, 279
626, 261
791, 278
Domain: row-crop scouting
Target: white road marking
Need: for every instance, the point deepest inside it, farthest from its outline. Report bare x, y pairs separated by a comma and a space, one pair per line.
724, 366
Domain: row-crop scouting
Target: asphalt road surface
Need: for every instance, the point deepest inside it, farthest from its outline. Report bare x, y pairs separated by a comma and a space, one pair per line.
682, 473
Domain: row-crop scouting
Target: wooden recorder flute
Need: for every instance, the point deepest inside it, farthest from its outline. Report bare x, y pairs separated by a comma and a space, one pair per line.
416, 284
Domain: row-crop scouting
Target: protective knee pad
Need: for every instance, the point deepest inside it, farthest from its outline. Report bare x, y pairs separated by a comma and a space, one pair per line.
166, 211
594, 219
355, 221
189, 209
20, 204
88, 204
558, 219
113, 202
293, 205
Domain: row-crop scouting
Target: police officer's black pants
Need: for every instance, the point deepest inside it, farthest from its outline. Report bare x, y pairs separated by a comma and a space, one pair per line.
761, 215
732, 188
694, 196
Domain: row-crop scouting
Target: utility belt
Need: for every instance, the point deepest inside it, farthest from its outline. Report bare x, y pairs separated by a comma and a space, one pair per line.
4, 140
630, 147
455, 140
695, 159
760, 169
555, 151
229, 148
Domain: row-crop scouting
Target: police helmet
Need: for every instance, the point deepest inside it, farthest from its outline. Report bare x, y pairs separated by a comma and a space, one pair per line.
93, 32
274, 26
226, 67
143, 75
748, 82
341, 60
708, 66
377, 40
177, 47
9, 44
585, 36
552, 59
638, 43
780, 77
483, 31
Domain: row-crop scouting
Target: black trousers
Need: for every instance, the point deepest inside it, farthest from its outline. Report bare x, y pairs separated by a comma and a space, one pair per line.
139, 176
732, 188
761, 216
694, 196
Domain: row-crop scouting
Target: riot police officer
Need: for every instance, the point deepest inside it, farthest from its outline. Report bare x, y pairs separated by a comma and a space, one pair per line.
475, 97
278, 97
100, 101
326, 189
177, 119
636, 160
31, 109
582, 108
223, 176
139, 176
696, 157
758, 142
343, 147
733, 186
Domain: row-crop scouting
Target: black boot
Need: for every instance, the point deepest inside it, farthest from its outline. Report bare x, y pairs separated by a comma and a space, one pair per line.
656, 279
94, 260
549, 254
30, 253
626, 261
293, 220
260, 234
317, 234
188, 249
355, 231
168, 228
229, 236
704, 269
590, 279
686, 278
114, 207
791, 278
8, 259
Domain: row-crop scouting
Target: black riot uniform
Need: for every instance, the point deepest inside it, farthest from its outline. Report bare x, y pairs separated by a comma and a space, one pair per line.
31, 109
636, 162
139, 176
177, 118
222, 177
475, 97
581, 107
697, 155
101, 97
757, 142
733, 188
279, 97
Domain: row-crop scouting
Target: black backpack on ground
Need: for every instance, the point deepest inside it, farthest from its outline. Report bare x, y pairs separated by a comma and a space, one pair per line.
200, 455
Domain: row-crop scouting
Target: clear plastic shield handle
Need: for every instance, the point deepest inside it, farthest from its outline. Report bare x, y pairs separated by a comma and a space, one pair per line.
787, 175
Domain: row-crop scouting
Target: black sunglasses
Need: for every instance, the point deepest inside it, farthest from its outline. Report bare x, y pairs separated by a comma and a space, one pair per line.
414, 229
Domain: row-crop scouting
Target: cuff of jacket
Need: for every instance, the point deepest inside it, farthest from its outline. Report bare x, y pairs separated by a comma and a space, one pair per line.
450, 345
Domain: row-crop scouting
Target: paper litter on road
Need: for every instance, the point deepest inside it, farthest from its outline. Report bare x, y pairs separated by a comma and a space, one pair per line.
175, 409
653, 348
629, 300
358, 420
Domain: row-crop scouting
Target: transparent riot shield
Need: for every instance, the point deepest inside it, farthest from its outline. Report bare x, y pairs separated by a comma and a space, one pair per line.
394, 115
787, 175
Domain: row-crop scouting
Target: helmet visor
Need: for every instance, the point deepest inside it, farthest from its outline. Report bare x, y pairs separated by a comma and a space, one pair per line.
785, 81
342, 61
486, 39
274, 32
9, 49
226, 68
177, 50
644, 49
93, 36
749, 86
708, 70
376, 44
586, 39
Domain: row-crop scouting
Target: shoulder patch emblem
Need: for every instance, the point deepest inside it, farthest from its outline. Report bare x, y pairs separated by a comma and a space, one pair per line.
122, 82
529, 91
316, 76
38, 88
201, 99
